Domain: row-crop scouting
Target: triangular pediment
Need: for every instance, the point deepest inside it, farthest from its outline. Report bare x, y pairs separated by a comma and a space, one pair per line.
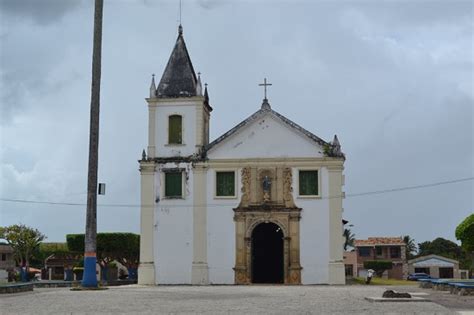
266, 134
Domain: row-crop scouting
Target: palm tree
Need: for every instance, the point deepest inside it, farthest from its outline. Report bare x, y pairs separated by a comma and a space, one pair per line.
410, 246
90, 257
349, 238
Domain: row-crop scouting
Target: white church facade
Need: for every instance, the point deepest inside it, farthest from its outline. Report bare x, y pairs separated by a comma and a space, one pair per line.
260, 204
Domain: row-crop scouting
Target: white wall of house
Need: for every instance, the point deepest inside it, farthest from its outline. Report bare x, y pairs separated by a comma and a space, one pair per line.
173, 246
221, 230
314, 232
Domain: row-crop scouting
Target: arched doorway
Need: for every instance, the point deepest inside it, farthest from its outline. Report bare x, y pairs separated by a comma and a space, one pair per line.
267, 253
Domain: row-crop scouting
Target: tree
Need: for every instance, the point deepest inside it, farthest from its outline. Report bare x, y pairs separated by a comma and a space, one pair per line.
44, 250
349, 238
122, 247
24, 240
440, 246
465, 233
90, 256
410, 246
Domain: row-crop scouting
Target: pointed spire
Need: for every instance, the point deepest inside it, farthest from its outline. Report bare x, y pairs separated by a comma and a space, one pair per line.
143, 155
206, 95
179, 78
199, 85
152, 87
336, 146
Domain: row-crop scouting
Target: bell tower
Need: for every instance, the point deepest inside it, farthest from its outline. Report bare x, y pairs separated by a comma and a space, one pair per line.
178, 130
179, 110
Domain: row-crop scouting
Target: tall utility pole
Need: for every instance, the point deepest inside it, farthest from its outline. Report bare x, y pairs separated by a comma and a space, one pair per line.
90, 256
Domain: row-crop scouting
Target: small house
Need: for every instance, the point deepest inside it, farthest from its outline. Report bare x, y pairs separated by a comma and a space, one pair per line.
436, 266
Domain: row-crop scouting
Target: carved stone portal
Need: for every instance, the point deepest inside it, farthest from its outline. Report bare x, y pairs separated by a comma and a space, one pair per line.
277, 208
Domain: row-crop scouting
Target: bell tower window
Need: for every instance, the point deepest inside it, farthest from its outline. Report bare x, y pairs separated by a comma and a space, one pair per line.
175, 129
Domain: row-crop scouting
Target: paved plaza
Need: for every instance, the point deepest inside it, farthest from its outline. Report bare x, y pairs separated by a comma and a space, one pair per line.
254, 299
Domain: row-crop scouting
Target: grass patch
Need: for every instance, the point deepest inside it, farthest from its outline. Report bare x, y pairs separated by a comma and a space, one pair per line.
380, 281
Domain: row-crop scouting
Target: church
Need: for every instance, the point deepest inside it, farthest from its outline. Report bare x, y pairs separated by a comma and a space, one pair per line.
262, 203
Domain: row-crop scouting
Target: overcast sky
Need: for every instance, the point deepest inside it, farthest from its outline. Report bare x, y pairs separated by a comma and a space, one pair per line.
394, 81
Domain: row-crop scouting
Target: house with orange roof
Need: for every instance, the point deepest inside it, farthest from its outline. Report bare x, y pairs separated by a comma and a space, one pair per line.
379, 248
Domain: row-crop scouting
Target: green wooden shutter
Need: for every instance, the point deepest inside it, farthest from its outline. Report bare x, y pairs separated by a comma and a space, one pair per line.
308, 182
225, 184
175, 129
173, 184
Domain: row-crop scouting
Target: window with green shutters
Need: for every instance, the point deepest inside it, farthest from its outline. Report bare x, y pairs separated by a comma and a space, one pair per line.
173, 185
308, 183
175, 131
225, 184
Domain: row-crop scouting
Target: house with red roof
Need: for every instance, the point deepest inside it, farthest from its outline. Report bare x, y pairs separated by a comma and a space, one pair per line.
378, 248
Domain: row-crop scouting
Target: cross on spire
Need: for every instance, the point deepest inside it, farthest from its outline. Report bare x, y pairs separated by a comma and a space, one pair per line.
265, 84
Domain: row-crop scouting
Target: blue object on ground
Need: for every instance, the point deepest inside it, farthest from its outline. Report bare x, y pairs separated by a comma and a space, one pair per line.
89, 279
23, 275
69, 275
132, 273
104, 272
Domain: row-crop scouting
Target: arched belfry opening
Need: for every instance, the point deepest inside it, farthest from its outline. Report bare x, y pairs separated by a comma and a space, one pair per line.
267, 253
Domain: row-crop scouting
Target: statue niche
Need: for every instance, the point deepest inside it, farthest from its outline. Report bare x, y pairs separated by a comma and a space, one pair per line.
267, 187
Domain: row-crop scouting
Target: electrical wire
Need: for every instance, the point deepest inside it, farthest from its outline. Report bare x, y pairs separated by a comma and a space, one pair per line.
375, 192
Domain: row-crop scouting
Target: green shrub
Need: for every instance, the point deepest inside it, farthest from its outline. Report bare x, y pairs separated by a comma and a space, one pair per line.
123, 247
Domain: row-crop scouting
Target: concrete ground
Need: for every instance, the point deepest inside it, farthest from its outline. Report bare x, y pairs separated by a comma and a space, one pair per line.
212, 300
460, 304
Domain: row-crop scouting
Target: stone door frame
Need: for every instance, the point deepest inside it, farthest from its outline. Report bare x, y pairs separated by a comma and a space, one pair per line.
247, 220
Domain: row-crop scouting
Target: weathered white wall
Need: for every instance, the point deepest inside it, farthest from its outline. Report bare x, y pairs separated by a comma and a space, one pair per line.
314, 229
188, 112
174, 233
221, 231
266, 138
314, 232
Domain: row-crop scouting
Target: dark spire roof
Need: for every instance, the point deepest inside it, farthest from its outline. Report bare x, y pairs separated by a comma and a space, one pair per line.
179, 78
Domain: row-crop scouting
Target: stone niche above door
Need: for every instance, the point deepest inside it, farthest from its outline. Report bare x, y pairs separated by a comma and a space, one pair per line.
279, 194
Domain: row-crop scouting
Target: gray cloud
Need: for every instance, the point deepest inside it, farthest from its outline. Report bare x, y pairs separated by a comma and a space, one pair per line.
41, 12
394, 82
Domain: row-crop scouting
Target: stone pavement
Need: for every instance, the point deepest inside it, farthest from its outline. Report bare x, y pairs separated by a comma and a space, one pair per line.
460, 304
255, 299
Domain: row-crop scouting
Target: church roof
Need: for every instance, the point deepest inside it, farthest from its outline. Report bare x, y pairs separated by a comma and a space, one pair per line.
179, 78
267, 110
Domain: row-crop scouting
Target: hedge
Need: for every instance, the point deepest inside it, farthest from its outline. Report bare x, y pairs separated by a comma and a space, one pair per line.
124, 247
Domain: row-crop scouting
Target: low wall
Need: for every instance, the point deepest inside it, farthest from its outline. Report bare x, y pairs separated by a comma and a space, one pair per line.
16, 288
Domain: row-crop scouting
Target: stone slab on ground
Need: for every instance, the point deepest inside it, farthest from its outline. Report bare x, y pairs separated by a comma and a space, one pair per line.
382, 299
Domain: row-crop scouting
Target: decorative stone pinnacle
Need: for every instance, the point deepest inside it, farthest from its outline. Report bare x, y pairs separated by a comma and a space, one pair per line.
143, 155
